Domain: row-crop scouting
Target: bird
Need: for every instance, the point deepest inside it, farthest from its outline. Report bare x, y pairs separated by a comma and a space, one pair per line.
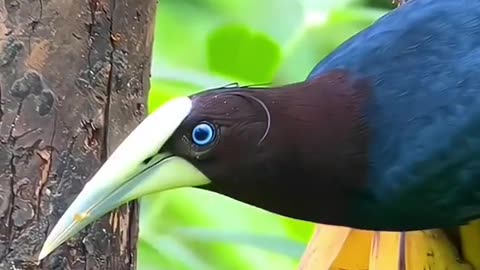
381, 138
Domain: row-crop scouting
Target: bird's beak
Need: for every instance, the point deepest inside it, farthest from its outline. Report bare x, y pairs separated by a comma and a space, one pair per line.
136, 168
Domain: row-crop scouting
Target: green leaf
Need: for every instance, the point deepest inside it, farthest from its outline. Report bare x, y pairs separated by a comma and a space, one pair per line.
194, 216
168, 82
274, 244
321, 37
235, 51
162, 91
167, 252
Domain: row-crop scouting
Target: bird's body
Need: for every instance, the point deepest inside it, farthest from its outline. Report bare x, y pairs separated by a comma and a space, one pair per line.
423, 62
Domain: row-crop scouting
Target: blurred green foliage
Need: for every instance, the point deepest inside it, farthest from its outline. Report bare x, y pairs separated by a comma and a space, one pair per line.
201, 44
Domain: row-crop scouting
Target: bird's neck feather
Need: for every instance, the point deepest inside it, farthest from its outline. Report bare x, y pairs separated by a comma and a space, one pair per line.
320, 130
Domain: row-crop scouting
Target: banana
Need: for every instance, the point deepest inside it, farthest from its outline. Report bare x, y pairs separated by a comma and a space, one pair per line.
433, 251
355, 252
340, 248
470, 241
324, 247
385, 251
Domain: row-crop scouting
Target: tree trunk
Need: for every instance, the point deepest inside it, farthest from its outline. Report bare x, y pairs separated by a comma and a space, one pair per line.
73, 76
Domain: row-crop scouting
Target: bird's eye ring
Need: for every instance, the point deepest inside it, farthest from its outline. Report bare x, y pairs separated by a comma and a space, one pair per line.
203, 134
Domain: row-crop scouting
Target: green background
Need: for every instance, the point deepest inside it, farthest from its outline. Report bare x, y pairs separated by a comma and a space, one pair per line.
200, 44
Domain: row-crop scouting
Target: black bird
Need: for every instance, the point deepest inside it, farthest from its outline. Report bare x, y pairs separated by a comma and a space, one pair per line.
383, 135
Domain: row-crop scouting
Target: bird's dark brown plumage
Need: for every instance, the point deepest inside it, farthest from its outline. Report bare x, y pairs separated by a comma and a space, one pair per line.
314, 152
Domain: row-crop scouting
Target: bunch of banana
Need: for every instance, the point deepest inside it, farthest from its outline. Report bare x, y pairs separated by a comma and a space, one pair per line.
340, 248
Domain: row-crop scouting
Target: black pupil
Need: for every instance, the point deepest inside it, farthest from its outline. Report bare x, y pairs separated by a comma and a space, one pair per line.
202, 133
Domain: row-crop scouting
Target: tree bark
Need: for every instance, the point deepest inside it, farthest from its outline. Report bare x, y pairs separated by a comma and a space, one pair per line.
73, 76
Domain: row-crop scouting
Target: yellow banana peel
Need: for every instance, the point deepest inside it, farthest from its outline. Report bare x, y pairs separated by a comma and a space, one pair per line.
470, 241
340, 248
385, 251
327, 243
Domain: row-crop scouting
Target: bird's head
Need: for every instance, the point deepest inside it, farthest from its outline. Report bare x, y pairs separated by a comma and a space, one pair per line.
266, 147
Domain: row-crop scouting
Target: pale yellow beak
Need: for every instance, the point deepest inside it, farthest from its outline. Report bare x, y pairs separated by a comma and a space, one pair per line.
137, 167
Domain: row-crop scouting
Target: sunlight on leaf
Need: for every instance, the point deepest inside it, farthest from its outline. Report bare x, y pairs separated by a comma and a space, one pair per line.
275, 244
236, 51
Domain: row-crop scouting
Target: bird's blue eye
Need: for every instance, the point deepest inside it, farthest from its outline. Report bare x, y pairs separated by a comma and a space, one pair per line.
203, 134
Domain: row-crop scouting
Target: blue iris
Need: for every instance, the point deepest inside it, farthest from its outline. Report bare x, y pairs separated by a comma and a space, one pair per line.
203, 134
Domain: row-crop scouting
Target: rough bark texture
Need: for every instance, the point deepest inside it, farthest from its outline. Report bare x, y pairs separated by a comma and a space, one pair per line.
73, 79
